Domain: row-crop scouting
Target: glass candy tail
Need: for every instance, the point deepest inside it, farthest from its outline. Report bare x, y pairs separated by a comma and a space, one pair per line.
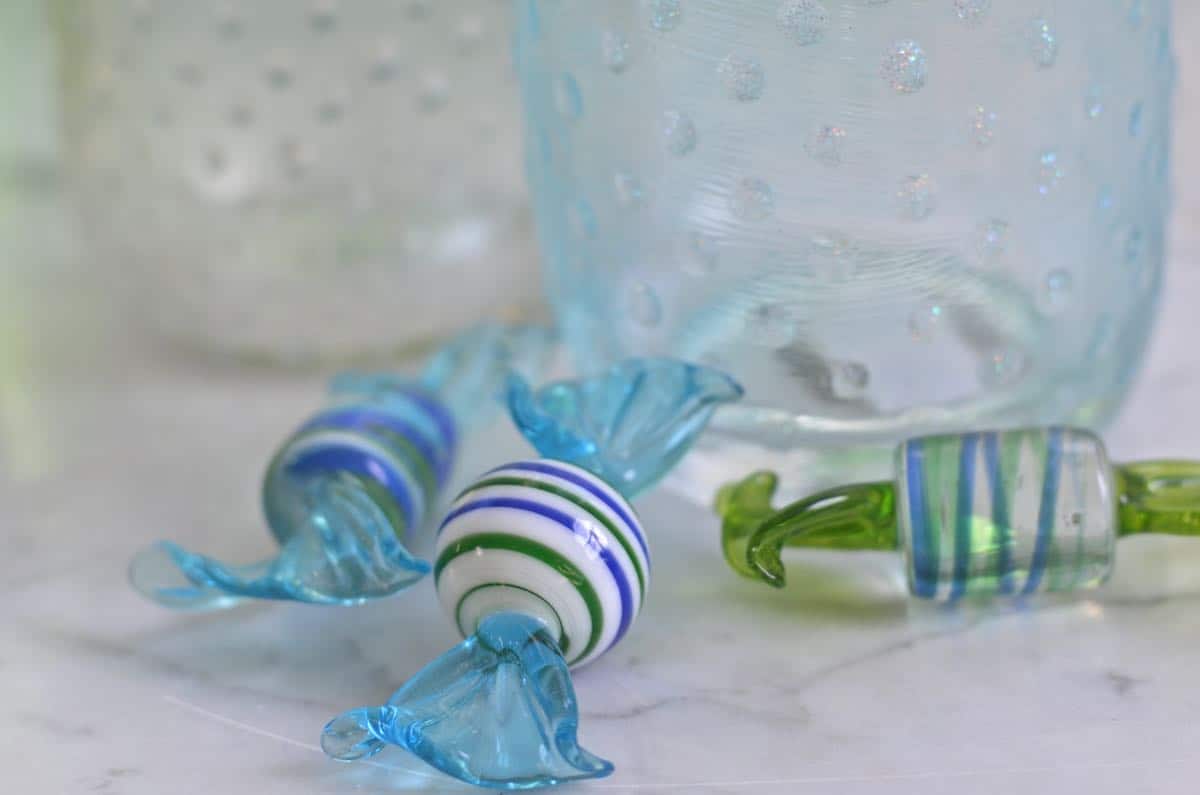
341, 497
542, 566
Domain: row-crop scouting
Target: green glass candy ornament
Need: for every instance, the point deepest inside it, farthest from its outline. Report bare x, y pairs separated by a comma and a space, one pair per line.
1008, 513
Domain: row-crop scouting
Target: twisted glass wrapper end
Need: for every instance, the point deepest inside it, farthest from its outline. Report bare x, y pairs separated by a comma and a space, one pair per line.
629, 425
1159, 497
498, 710
753, 534
345, 551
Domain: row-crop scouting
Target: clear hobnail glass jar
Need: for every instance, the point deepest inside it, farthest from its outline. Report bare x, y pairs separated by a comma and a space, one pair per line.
301, 180
884, 218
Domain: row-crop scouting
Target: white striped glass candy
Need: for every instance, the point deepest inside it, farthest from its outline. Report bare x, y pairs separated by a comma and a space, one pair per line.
1016, 512
550, 540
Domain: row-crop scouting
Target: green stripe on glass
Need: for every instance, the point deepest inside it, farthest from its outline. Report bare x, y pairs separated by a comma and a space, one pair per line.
577, 501
405, 450
939, 469
383, 500
564, 642
542, 554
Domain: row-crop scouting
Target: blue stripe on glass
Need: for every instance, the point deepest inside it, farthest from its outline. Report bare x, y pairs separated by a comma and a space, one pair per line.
547, 468
322, 459
361, 418
436, 410
593, 542
1041, 549
963, 515
1000, 522
925, 575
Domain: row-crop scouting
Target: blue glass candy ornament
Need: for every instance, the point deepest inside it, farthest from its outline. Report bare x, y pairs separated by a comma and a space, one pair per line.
630, 425
543, 566
346, 493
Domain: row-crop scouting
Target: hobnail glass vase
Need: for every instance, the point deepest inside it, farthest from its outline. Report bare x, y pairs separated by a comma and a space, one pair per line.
882, 217
301, 180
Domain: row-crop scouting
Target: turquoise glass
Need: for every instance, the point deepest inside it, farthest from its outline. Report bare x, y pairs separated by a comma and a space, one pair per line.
350, 491
629, 425
498, 711
543, 566
884, 219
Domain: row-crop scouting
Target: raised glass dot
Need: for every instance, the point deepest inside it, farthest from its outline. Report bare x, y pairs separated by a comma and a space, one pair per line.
143, 15
419, 9
1043, 43
1049, 172
990, 240
824, 144
279, 74
469, 34
904, 66
752, 200
323, 16
615, 50
972, 12
229, 23
433, 91
1093, 103
666, 14
189, 74
330, 110
384, 65
982, 128
644, 306
1135, 119
628, 189
1057, 287
216, 160
296, 158
925, 320
678, 132
917, 197
568, 97
1004, 366
849, 380
241, 115
803, 21
742, 78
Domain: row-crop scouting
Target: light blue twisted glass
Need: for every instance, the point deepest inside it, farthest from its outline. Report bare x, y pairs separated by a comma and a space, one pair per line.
347, 492
630, 424
498, 710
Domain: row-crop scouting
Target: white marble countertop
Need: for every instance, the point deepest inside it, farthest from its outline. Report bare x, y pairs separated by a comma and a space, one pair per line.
838, 685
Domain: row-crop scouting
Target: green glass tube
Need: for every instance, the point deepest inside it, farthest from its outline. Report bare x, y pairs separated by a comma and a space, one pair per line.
1002, 513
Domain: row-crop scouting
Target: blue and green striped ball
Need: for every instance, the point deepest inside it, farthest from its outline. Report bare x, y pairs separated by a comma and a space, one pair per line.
397, 446
550, 540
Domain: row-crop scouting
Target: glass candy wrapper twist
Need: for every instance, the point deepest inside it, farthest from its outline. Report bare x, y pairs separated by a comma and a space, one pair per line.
542, 565
349, 491
1008, 513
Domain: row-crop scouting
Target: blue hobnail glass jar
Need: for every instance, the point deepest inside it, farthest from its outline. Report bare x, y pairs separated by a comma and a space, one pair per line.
883, 217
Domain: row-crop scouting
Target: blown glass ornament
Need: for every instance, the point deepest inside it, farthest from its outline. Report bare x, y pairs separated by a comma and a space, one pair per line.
351, 488
1006, 513
543, 566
